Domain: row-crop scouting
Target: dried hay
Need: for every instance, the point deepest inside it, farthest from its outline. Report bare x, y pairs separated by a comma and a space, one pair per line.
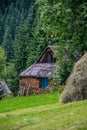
76, 86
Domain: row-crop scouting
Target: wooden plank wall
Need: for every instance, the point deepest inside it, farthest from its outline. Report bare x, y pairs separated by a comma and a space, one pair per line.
29, 86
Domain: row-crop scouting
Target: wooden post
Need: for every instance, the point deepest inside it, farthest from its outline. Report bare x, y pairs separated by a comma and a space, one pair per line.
27, 92
23, 90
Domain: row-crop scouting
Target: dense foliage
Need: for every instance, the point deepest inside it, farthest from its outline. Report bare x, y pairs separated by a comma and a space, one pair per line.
65, 26
2, 61
28, 26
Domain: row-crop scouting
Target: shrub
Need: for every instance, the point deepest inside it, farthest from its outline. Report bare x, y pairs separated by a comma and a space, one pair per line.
8, 96
52, 89
76, 86
60, 89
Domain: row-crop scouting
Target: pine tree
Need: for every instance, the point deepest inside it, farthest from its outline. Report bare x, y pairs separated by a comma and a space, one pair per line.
20, 48
2, 61
8, 44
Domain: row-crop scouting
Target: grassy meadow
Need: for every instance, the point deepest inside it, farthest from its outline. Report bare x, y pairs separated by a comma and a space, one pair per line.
42, 112
28, 101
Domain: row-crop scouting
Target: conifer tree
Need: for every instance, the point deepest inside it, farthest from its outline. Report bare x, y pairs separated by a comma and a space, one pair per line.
20, 48
2, 61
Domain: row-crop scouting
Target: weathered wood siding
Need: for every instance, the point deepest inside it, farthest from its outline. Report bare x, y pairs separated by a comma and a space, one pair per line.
29, 86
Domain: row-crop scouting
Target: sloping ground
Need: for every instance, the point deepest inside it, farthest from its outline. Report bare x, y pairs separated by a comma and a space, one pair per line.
29, 101
71, 116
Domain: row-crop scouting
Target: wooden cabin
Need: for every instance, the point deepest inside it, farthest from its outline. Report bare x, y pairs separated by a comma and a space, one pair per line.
37, 77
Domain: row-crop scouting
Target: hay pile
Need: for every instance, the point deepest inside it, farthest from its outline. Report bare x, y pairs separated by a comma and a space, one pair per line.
76, 86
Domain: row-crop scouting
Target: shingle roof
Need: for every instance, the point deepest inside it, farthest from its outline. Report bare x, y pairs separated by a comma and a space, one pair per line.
39, 70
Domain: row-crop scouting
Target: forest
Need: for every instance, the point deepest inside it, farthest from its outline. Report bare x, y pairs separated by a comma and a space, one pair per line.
28, 26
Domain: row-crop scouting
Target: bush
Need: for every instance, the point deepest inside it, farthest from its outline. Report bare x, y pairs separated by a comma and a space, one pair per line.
8, 96
52, 89
76, 86
60, 89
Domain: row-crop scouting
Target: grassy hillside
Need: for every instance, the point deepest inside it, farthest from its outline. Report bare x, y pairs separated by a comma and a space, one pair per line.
30, 101
71, 116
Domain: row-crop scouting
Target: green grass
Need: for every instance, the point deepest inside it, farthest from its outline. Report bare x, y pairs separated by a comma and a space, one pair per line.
71, 116
42, 112
29, 101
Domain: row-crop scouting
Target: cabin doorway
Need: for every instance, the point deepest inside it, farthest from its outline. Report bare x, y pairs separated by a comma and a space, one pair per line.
44, 83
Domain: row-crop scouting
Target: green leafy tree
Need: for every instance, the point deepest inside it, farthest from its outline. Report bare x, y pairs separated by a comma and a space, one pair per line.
64, 23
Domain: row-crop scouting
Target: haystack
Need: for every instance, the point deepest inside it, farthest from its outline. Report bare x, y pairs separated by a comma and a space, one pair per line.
76, 86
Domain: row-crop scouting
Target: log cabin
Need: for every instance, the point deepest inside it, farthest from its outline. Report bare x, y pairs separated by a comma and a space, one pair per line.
37, 77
